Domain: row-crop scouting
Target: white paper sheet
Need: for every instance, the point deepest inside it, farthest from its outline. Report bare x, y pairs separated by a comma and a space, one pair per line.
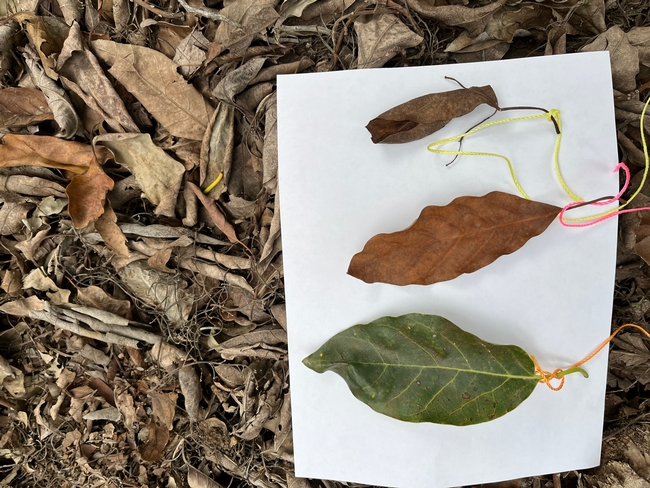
553, 297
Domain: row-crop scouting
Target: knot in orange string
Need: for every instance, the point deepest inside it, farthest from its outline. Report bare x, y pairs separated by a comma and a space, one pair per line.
546, 376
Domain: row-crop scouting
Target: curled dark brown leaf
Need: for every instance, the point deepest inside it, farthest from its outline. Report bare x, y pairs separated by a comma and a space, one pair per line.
427, 114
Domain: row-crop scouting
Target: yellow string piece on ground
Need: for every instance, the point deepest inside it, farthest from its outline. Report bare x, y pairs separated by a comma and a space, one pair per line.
212, 185
552, 115
546, 376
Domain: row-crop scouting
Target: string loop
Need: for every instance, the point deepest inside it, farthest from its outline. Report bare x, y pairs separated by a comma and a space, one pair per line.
546, 376
552, 116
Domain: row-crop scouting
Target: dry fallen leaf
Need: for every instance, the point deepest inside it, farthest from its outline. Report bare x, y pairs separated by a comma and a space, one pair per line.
80, 72
217, 216
60, 105
94, 296
217, 148
270, 150
111, 233
158, 175
87, 195
124, 402
153, 448
152, 78
20, 107
47, 35
51, 152
253, 15
196, 479
425, 115
164, 407
191, 389
623, 56
158, 289
445, 242
472, 19
380, 38
235, 81
190, 53
586, 16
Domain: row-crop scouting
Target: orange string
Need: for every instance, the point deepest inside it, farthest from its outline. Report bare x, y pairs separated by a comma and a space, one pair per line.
546, 376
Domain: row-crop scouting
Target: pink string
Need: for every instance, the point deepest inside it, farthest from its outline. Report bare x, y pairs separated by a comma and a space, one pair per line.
606, 202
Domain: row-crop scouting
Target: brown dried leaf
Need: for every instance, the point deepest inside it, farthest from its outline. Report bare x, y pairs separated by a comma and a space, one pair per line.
12, 282
380, 38
504, 24
103, 389
153, 448
196, 479
217, 148
556, 41
8, 38
234, 82
20, 107
14, 210
445, 242
270, 73
325, 11
57, 99
191, 389
623, 56
639, 38
71, 10
472, 19
51, 152
87, 195
94, 296
270, 148
121, 14
159, 289
158, 174
217, 216
23, 306
164, 407
168, 356
80, 72
190, 53
152, 78
124, 402
588, 16
47, 35
253, 15
425, 115
111, 233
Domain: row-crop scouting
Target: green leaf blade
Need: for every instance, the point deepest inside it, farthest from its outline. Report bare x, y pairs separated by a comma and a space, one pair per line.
423, 368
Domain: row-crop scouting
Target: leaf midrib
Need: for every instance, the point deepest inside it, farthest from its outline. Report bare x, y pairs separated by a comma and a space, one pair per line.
447, 368
477, 231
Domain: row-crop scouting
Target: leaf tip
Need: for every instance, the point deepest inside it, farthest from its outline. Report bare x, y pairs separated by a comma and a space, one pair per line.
314, 362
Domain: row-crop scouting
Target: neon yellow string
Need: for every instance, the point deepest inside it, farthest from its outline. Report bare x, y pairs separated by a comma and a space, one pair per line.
473, 153
554, 113
212, 185
645, 175
556, 155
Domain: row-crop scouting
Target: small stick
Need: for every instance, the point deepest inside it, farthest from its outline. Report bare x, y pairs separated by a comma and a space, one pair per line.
160, 12
209, 13
556, 481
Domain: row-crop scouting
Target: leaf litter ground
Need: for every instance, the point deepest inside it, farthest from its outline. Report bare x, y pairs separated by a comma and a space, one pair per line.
143, 327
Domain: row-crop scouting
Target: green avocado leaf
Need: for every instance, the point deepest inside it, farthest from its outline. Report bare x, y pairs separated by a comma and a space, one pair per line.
424, 368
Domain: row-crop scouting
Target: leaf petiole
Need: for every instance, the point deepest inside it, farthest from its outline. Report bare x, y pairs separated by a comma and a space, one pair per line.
565, 372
